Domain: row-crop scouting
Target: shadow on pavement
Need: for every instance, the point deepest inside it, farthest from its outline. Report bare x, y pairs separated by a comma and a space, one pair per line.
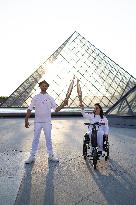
114, 183
23, 196
37, 187
49, 185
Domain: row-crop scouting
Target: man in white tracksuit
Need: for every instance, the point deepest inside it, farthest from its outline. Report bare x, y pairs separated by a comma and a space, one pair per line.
43, 103
97, 116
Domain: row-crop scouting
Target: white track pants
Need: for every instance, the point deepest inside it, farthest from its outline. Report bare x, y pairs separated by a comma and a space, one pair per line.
99, 139
47, 132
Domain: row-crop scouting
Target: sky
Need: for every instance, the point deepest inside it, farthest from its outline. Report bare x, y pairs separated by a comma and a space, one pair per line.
31, 30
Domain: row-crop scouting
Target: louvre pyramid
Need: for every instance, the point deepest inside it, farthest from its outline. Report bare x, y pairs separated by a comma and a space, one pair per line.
101, 79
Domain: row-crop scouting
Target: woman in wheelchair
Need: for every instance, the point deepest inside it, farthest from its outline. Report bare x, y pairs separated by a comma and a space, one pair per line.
102, 131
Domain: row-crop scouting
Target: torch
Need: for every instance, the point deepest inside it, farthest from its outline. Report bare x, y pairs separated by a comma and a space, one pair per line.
70, 88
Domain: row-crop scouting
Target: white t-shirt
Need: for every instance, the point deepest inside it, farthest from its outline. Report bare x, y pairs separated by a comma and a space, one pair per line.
43, 103
96, 118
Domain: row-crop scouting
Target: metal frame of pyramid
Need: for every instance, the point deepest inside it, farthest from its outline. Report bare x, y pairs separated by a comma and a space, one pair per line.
126, 105
101, 79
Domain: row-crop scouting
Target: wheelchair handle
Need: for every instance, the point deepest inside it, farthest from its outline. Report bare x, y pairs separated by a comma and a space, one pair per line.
96, 123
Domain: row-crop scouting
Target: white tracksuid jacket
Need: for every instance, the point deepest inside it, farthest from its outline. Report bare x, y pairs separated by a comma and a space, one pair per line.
96, 118
43, 103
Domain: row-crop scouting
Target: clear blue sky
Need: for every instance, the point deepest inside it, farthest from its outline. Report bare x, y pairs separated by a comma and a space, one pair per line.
31, 30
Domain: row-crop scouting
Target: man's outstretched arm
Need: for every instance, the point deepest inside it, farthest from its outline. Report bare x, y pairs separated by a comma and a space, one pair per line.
63, 104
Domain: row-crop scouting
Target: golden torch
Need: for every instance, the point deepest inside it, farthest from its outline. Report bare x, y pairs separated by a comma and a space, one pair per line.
70, 88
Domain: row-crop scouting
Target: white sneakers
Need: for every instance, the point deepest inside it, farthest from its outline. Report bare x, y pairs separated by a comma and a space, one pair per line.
53, 158
30, 159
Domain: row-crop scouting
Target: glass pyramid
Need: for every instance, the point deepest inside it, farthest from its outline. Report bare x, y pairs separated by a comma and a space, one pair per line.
101, 79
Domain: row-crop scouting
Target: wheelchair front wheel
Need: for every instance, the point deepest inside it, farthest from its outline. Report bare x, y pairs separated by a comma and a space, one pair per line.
95, 158
107, 152
84, 150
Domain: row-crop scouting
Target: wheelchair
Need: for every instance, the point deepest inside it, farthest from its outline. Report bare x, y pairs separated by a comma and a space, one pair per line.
90, 147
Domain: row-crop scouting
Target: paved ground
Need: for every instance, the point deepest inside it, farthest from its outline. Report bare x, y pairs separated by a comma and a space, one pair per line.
72, 181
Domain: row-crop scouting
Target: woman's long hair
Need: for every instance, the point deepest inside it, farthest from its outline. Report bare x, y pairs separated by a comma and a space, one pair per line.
101, 110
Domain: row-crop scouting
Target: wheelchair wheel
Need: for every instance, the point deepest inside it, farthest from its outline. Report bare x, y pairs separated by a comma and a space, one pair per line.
95, 158
84, 150
107, 151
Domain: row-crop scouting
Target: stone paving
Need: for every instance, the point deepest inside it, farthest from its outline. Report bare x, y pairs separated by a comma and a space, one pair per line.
72, 181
